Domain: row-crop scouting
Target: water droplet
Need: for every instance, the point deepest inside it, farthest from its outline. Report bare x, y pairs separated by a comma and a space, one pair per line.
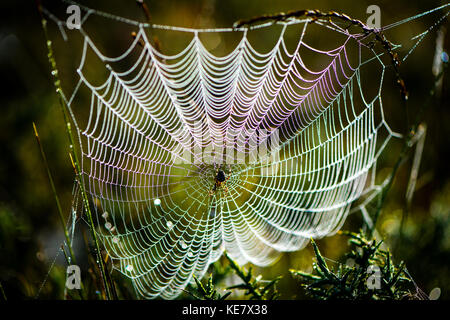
129, 268
190, 255
157, 202
115, 239
169, 224
350, 262
105, 215
435, 294
183, 244
108, 225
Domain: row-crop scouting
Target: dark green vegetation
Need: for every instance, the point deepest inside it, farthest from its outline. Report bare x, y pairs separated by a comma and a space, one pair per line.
353, 281
349, 280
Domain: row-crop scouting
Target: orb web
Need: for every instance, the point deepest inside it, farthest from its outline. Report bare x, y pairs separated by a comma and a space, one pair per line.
160, 149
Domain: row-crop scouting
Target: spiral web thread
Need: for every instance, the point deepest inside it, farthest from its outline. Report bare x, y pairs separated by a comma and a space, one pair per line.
159, 215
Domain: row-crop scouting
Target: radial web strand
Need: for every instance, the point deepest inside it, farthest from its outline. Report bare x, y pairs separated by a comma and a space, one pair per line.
160, 144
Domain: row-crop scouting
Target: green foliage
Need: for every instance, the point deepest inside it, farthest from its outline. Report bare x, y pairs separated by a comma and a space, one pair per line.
207, 291
256, 289
353, 282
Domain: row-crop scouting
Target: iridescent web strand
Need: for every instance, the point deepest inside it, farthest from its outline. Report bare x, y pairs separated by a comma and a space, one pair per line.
159, 216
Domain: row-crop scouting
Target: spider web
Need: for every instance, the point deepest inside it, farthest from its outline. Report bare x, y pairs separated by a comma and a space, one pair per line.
156, 134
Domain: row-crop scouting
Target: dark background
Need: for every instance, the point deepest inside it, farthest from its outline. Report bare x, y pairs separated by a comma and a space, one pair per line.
30, 234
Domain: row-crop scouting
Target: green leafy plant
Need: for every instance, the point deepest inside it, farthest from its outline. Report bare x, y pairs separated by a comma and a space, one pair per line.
206, 291
254, 287
354, 281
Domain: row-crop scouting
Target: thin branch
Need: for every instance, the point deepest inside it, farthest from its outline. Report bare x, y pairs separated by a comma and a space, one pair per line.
317, 14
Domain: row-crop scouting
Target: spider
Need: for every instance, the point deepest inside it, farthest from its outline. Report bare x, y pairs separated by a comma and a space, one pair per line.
220, 180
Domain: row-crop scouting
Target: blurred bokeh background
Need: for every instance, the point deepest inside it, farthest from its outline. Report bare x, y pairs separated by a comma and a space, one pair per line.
30, 233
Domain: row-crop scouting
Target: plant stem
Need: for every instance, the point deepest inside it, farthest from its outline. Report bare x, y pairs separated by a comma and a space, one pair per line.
63, 106
244, 277
404, 153
3, 293
58, 204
